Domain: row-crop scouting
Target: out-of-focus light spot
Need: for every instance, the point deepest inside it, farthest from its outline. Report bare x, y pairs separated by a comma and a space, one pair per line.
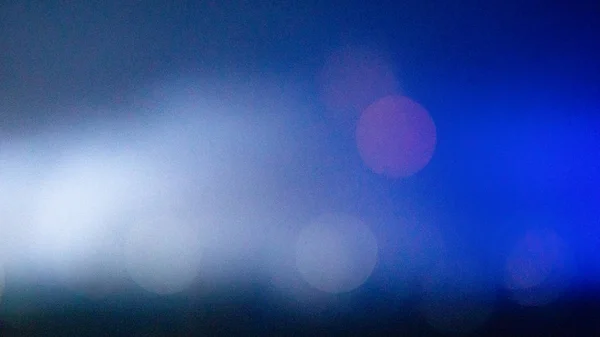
457, 298
353, 78
336, 253
287, 282
533, 259
396, 136
537, 269
163, 255
298, 296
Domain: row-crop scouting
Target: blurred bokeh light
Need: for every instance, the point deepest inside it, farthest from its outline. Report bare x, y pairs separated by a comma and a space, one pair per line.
396, 136
538, 269
352, 78
245, 168
336, 253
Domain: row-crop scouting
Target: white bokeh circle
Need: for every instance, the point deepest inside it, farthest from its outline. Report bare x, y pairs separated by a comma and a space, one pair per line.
163, 256
336, 253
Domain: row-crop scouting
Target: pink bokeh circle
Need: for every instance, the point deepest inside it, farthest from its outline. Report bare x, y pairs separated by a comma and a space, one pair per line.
396, 136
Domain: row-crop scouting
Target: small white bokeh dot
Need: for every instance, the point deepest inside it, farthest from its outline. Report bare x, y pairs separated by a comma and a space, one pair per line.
163, 257
336, 253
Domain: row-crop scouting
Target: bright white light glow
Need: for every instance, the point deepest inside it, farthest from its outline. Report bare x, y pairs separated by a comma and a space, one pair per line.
77, 205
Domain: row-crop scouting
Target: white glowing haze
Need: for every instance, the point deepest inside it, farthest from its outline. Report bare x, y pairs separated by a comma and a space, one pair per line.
80, 201
97, 204
144, 200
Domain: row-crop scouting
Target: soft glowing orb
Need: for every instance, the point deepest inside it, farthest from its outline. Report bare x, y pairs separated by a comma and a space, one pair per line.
537, 269
535, 257
163, 257
353, 78
336, 253
287, 282
396, 136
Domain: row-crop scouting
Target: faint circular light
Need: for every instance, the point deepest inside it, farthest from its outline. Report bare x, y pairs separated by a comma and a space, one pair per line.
353, 78
288, 284
336, 253
533, 259
163, 257
537, 269
457, 298
396, 136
